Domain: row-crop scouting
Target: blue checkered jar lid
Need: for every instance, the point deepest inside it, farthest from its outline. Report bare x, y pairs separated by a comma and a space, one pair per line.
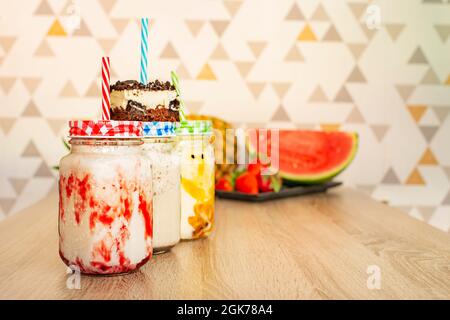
158, 129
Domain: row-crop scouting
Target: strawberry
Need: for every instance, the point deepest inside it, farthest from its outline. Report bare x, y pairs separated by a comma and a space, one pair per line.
224, 184
254, 169
246, 183
269, 183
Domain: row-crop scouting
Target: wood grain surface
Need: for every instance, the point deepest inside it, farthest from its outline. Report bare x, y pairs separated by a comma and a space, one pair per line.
312, 247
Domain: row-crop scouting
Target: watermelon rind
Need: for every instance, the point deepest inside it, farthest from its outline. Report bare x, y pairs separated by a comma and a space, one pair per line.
323, 177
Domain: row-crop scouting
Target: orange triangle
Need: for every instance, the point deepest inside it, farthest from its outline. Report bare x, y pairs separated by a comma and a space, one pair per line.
206, 73
428, 158
448, 80
415, 178
56, 29
307, 34
330, 127
417, 111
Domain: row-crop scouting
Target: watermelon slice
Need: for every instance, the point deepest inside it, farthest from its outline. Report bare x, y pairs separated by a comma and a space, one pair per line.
310, 157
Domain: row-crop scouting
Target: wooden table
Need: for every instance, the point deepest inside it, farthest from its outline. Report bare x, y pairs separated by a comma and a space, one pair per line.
318, 247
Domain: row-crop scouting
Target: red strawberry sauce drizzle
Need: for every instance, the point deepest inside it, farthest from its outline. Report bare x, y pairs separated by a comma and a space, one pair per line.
100, 212
145, 207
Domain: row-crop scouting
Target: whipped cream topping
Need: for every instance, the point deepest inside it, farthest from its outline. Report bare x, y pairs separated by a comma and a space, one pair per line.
149, 99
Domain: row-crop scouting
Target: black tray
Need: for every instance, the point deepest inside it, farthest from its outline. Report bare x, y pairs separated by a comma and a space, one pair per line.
285, 192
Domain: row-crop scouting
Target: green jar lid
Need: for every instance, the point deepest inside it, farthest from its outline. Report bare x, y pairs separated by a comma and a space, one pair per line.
193, 127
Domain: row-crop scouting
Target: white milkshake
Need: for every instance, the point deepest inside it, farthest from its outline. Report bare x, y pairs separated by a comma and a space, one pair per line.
160, 147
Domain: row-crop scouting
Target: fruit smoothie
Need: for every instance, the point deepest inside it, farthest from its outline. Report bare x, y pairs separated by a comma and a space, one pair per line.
160, 147
197, 179
105, 205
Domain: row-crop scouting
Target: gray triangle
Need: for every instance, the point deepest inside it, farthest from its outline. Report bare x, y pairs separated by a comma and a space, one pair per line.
7, 43
390, 177
82, 30
332, 35
106, 44
219, 53
428, 132
443, 31
120, 24
107, 5
169, 52
355, 116
244, 68
182, 72
430, 78
446, 200
426, 212
219, 26
320, 14
280, 115
31, 151
43, 171
44, 50
356, 49
56, 124
232, 6
295, 13
356, 76
441, 112
6, 83
281, 88
357, 9
6, 124
394, 30
195, 26
405, 91
43, 9
294, 54
93, 90
379, 131
343, 96
7, 204
256, 88
31, 110
318, 95
418, 57
18, 184
447, 172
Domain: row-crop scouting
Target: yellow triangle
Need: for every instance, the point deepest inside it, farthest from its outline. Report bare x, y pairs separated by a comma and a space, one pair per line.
307, 34
206, 73
415, 178
448, 80
56, 29
330, 127
428, 158
417, 111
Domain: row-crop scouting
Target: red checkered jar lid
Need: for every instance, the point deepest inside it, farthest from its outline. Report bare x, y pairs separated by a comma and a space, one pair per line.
105, 129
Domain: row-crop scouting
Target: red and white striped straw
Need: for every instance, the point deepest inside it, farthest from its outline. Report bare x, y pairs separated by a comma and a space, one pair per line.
106, 77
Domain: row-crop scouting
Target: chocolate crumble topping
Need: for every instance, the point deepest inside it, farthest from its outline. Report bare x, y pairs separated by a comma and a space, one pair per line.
136, 85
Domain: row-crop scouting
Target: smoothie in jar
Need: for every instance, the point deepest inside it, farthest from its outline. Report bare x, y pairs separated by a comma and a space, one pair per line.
197, 178
105, 204
160, 147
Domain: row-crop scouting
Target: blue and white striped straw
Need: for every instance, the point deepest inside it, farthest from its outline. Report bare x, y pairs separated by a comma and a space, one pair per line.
144, 51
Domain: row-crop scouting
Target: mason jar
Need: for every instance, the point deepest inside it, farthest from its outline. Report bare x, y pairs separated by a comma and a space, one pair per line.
197, 178
105, 198
160, 147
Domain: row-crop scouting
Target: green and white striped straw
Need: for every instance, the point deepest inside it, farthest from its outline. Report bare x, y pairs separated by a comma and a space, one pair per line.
176, 84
